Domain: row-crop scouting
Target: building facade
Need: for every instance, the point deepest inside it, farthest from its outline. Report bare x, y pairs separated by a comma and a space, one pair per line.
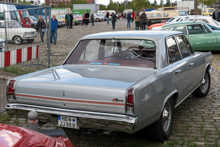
10, 1
66, 2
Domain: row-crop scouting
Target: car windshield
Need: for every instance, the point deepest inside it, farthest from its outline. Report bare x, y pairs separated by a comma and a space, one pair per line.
24, 14
136, 53
13, 24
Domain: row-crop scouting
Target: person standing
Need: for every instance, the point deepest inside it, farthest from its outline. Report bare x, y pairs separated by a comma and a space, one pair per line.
54, 25
144, 20
87, 18
216, 14
84, 19
132, 16
107, 17
92, 18
137, 19
122, 15
113, 20
41, 25
129, 20
71, 20
67, 18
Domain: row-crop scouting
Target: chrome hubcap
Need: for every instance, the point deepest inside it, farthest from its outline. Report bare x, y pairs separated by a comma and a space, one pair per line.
17, 40
205, 83
166, 117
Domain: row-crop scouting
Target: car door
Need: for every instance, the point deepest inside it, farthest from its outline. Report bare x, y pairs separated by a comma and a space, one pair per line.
179, 67
192, 65
200, 39
2, 30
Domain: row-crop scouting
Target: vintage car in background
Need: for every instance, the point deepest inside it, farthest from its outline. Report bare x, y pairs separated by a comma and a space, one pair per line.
78, 17
158, 26
25, 18
16, 33
2, 45
34, 21
12, 136
98, 18
118, 81
199, 34
205, 19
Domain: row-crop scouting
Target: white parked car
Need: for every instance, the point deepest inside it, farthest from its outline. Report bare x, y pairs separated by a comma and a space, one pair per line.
2, 44
16, 33
206, 19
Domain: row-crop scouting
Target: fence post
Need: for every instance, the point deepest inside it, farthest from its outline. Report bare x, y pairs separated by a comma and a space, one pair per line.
48, 35
6, 39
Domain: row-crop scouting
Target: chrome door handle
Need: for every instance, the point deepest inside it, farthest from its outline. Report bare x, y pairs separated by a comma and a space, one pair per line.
190, 35
177, 71
190, 64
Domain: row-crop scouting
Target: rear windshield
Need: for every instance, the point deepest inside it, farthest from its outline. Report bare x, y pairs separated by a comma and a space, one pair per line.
136, 53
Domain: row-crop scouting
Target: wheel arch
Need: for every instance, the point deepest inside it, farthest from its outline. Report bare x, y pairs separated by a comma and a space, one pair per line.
208, 67
16, 36
173, 95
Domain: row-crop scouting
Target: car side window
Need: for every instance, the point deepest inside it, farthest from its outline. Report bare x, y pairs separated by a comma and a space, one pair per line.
183, 46
173, 51
195, 29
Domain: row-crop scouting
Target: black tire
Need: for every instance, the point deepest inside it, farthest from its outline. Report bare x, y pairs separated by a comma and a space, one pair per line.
18, 40
97, 20
203, 89
161, 129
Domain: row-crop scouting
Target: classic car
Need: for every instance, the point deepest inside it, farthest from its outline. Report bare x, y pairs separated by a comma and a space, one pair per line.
98, 18
25, 18
158, 26
12, 136
78, 17
2, 45
199, 34
206, 19
34, 21
16, 33
118, 81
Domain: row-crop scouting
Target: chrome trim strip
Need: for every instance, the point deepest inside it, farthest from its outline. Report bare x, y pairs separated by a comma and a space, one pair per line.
74, 113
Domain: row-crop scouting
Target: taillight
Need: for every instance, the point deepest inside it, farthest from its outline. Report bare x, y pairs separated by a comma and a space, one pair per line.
11, 90
130, 101
130, 98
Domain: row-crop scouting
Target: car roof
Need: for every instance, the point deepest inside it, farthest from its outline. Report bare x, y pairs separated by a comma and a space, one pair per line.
183, 23
131, 35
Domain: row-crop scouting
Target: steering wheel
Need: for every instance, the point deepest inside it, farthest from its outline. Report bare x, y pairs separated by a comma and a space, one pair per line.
140, 50
141, 53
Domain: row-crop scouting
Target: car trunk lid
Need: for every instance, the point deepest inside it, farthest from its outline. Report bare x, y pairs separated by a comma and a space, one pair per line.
93, 88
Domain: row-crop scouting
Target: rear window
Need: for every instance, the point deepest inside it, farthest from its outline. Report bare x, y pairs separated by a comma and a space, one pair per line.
136, 53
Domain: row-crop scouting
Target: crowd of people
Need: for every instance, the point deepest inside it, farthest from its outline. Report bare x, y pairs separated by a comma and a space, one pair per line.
140, 22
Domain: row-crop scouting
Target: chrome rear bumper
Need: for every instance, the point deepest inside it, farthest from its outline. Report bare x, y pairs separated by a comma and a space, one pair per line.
97, 120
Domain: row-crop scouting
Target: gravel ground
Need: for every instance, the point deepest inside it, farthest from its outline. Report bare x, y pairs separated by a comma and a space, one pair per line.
197, 120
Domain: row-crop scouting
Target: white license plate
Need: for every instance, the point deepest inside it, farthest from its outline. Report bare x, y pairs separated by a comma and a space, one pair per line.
67, 122
27, 22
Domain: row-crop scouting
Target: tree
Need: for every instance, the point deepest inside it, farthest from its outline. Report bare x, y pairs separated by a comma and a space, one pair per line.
155, 2
206, 2
121, 8
161, 2
61, 5
112, 6
102, 7
167, 3
137, 5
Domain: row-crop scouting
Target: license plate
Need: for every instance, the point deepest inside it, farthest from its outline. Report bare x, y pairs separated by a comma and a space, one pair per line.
67, 122
27, 22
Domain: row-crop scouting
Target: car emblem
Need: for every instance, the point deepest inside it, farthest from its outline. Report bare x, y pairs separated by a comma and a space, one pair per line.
117, 100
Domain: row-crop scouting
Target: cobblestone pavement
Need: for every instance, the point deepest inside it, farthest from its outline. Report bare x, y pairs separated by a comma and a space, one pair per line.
196, 123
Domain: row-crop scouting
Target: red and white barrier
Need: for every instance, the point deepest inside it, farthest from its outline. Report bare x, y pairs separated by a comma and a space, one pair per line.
16, 56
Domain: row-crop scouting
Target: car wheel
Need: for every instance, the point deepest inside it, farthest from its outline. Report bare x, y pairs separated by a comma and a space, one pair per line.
203, 89
18, 40
161, 129
97, 20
